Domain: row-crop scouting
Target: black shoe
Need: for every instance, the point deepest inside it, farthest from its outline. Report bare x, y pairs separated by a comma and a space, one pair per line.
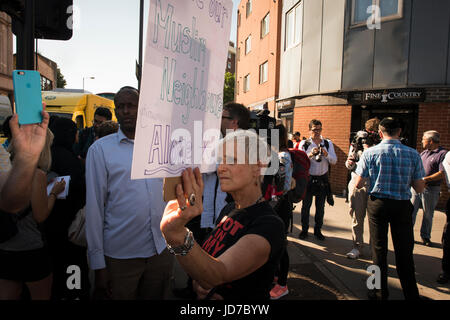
426, 242
443, 278
303, 235
184, 293
319, 235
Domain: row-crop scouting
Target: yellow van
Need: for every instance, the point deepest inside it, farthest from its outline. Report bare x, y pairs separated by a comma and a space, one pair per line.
78, 106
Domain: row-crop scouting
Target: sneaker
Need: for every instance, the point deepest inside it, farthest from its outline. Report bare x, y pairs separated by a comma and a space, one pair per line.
278, 291
303, 235
319, 235
354, 254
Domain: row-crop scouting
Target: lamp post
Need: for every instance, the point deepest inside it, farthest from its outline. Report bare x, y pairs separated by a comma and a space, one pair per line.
87, 78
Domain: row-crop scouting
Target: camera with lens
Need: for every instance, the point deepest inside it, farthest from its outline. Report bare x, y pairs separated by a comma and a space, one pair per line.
260, 120
318, 154
363, 137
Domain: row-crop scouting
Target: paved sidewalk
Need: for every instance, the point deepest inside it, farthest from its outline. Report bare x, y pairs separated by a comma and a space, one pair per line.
350, 276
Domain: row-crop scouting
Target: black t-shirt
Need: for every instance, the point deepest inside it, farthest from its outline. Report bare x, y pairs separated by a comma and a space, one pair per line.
233, 224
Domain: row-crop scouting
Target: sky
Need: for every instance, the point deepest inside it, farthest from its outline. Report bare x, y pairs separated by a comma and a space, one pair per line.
104, 45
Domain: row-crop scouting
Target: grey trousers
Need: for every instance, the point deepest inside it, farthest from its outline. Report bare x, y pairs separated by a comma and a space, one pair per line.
358, 207
141, 278
427, 200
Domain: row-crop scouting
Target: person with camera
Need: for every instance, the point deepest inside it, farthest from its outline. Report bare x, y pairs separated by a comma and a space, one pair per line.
358, 197
321, 152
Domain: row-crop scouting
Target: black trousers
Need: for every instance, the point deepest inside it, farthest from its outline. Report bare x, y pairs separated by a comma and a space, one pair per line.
317, 187
446, 242
397, 214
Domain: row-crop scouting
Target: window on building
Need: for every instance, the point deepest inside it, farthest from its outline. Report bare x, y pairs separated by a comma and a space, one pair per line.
367, 11
294, 26
247, 83
239, 19
248, 8
248, 44
265, 25
229, 65
263, 72
46, 84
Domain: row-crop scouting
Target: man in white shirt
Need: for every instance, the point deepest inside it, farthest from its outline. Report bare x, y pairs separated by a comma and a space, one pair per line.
321, 153
125, 245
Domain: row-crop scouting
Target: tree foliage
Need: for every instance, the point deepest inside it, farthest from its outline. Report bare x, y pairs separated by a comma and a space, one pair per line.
228, 90
60, 81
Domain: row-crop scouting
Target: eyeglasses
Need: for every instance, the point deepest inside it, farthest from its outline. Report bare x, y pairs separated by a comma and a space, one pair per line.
316, 130
225, 117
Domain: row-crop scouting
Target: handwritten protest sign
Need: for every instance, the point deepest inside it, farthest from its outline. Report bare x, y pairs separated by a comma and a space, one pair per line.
181, 100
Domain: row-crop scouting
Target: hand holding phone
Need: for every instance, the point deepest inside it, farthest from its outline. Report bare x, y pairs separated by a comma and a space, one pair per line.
27, 96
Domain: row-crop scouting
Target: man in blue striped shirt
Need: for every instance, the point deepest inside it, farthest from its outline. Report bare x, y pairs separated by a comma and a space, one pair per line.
392, 169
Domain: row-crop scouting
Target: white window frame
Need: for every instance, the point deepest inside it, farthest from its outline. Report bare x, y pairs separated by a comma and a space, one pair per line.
288, 45
356, 24
265, 25
247, 83
248, 48
264, 72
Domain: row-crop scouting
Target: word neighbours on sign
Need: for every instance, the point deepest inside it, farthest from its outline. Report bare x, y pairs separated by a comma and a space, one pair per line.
182, 84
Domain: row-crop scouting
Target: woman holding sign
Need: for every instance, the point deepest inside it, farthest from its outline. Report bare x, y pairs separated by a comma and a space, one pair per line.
239, 257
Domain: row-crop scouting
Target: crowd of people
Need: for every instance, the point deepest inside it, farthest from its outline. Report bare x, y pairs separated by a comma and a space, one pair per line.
227, 229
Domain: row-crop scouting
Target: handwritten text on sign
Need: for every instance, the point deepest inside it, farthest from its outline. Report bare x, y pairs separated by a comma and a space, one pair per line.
181, 96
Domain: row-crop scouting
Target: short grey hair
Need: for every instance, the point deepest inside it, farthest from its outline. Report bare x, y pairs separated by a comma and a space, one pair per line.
432, 135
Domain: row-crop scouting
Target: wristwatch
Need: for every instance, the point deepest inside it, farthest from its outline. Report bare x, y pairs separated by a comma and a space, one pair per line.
185, 247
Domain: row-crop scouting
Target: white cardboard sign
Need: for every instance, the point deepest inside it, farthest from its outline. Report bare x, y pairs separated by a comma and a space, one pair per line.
181, 99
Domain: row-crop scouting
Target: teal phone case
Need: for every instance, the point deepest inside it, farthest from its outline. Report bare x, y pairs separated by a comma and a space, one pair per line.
28, 96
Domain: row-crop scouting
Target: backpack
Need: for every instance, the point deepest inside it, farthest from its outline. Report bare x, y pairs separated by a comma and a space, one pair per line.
300, 173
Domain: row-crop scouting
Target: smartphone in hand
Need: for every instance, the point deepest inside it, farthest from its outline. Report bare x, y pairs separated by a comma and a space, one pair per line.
27, 96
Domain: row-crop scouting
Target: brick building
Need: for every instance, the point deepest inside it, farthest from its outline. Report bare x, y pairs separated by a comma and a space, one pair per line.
258, 53
6, 56
343, 66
